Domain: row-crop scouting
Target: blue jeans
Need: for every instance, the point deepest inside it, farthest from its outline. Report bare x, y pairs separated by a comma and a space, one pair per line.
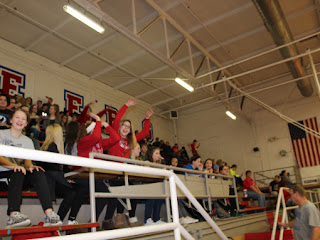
261, 198
152, 209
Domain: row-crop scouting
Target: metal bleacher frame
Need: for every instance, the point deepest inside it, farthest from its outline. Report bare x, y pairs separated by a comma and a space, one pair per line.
173, 180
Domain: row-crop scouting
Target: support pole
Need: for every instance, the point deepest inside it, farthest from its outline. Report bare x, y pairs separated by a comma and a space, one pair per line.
92, 199
174, 205
134, 19
314, 71
166, 37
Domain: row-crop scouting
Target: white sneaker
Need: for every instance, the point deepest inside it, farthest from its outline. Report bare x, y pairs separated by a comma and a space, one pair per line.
18, 220
160, 222
72, 222
133, 220
52, 219
149, 222
188, 220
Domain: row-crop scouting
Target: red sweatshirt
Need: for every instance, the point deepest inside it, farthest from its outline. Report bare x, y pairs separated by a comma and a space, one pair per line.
122, 148
94, 143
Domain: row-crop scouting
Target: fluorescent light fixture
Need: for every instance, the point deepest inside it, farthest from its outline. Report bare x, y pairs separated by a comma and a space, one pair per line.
184, 84
83, 18
231, 115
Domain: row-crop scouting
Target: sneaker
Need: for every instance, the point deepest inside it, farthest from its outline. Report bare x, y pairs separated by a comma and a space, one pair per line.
160, 222
149, 222
133, 222
52, 219
188, 220
72, 222
18, 220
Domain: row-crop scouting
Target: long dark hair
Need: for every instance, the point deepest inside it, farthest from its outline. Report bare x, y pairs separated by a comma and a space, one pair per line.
150, 153
72, 135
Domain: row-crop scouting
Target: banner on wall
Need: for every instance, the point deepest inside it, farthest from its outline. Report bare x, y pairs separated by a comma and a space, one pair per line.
305, 146
111, 114
73, 102
150, 134
12, 82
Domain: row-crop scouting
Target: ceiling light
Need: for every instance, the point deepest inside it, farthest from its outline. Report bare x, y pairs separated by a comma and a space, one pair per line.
184, 84
231, 115
83, 18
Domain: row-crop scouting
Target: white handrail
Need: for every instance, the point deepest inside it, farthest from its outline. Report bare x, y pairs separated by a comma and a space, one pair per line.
16, 152
156, 165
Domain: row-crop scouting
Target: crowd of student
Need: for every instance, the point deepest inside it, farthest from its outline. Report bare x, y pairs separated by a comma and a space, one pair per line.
24, 124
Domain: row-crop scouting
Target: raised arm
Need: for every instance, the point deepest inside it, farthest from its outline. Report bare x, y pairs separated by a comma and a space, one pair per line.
144, 132
112, 140
93, 138
103, 112
83, 115
121, 112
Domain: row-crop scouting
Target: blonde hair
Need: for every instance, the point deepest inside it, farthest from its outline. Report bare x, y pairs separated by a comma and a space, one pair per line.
54, 134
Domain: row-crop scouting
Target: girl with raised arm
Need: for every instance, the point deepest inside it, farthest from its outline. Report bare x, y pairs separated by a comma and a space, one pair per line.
122, 149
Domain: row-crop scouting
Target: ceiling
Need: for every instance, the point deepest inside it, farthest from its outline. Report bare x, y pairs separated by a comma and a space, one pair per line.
147, 43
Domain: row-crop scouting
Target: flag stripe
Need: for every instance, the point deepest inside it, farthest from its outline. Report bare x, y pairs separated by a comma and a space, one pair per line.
295, 152
300, 153
303, 150
316, 141
306, 147
310, 145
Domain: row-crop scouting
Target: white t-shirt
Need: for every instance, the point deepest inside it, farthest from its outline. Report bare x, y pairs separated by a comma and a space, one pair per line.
7, 139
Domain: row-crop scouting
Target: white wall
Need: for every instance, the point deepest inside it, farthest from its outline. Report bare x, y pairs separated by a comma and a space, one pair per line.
233, 141
46, 78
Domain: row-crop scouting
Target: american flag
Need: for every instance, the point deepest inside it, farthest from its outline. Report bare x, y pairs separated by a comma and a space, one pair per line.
306, 147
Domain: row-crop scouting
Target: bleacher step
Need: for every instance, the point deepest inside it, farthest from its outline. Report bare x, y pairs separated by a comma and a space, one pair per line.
287, 234
38, 229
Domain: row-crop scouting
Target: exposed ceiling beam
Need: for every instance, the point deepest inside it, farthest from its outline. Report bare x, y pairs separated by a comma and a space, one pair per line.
237, 38
81, 47
317, 6
242, 58
132, 37
151, 16
111, 36
137, 40
47, 34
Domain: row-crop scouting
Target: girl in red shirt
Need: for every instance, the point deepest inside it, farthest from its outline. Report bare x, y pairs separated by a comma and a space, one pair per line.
122, 149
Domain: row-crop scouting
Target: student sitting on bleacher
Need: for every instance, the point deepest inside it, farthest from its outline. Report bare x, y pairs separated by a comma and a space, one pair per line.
153, 206
72, 192
195, 164
183, 213
16, 170
238, 178
232, 207
253, 190
274, 186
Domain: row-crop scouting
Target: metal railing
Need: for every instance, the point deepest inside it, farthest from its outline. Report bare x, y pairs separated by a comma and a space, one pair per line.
313, 196
43, 156
166, 167
265, 177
